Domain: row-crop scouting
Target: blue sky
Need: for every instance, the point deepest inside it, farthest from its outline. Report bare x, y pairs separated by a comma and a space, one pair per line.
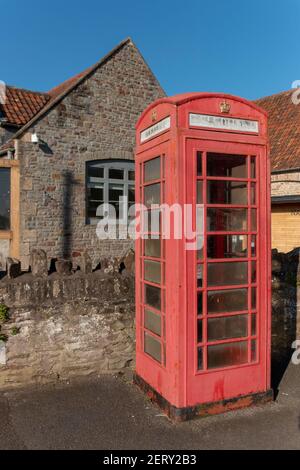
244, 47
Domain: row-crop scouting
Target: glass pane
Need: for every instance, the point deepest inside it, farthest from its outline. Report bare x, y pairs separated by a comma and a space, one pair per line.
226, 274
199, 275
116, 174
230, 354
227, 192
226, 246
226, 219
224, 301
253, 271
152, 194
253, 194
131, 194
200, 303
253, 350
152, 170
4, 198
253, 220
253, 168
200, 331
115, 192
95, 172
152, 221
253, 246
153, 296
199, 163
95, 194
152, 248
219, 164
200, 246
253, 298
227, 327
199, 192
131, 175
152, 347
253, 325
152, 322
152, 271
200, 358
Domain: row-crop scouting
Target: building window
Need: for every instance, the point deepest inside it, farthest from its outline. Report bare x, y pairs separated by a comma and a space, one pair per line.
4, 199
107, 181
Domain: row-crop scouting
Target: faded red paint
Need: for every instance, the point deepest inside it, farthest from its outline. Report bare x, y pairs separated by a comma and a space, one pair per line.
179, 382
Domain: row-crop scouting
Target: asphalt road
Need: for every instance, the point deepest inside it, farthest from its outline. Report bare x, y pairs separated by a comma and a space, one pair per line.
111, 414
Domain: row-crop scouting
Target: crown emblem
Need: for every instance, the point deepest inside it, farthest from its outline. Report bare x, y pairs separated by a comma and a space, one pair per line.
154, 115
225, 107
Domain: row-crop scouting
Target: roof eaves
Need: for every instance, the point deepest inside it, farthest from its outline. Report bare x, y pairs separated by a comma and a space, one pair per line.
56, 100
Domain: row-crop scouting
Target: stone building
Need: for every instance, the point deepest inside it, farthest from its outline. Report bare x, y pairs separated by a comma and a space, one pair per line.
65, 152
284, 135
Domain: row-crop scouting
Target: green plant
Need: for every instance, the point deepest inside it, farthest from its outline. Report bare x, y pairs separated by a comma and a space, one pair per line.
4, 313
3, 337
15, 330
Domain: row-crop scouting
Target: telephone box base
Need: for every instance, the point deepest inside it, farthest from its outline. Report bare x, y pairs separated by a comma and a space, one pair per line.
205, 409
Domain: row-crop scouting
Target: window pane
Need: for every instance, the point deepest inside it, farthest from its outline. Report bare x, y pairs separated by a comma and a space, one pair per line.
230, 354
219, 164
226, 274
199, 192
131, 175
152, 322
199, 275
200, 246
253, 298
153, 296
4, 198
131, 194
253, 325
152, 271
227, 192
227, 327
253, 246
115, 192
226, 246
253, 271
224, 301
253, 194
200, 358
226, 219
253, 350
152, 347
95, 194
152, 221
152, 170
95, 172
152, 248
200, 303
199, 163
253, 220
116, 174
152, 194
200, 331
253, 167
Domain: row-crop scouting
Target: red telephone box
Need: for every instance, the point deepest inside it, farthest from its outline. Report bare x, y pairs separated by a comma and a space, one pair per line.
203, 254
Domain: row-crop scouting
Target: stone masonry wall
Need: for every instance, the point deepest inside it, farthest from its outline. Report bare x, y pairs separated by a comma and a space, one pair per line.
95, 121
61, 327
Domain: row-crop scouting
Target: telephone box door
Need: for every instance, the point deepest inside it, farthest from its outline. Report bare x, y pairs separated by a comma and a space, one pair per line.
227, 319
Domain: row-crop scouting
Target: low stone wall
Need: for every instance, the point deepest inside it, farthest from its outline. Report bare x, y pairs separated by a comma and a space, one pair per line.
66, 326
285, 308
